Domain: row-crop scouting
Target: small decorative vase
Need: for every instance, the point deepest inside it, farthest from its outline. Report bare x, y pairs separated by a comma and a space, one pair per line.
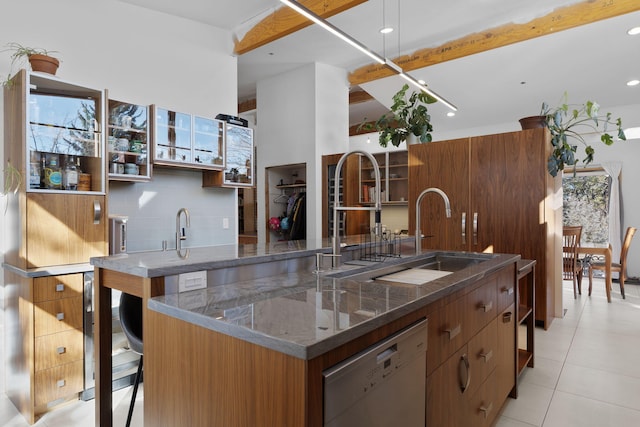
532, 122
44, 63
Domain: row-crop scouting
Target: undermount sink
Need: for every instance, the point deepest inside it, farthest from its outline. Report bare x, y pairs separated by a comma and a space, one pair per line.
417, 271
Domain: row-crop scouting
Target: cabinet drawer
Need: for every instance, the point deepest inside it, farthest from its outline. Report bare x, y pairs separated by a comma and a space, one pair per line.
57, 382
506, 371
483, 354
481, 306
506, 289
484, 405
60, 315
447, 332
58, 349
56, 287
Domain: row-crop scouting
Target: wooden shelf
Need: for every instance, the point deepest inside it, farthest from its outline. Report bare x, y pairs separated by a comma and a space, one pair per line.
292, 185
524, 357
523, 312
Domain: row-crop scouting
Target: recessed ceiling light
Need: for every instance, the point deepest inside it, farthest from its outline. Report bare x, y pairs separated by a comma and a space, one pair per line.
632, 133
633, 82
386, 30
451, 114
422, 82
634, 31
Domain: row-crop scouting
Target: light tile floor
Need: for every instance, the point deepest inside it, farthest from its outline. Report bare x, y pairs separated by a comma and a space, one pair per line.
587, 372
587, 365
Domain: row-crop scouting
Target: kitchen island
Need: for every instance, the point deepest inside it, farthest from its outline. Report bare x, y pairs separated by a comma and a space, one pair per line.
251, 347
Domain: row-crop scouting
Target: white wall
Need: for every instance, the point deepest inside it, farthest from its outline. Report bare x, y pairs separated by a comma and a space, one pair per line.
142, 57
302, 115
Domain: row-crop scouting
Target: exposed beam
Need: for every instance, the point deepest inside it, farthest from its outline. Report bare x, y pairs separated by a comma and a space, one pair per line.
560, 19
285, 21
248, 105
359, 96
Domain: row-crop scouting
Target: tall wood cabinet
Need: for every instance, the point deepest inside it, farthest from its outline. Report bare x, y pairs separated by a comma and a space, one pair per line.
57, 221
503, 200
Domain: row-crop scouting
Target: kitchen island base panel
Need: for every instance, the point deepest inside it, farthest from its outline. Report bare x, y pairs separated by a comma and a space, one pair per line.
226, 382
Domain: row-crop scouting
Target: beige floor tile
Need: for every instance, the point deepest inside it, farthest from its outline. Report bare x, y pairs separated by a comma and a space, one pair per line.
570, 410
607, 351
545, 373
554, 343
621, 390
530, 406
508, 422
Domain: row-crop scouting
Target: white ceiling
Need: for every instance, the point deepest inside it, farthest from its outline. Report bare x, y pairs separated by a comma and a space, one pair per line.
499, 86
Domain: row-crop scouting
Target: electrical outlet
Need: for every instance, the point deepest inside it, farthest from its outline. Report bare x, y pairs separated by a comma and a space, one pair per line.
191, 281
225, 223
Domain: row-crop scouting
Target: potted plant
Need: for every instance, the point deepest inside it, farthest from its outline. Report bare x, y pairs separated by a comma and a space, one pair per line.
40, 59
570, 121
408, 117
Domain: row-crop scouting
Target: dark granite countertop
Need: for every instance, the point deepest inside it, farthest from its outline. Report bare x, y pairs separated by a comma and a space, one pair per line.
305, 314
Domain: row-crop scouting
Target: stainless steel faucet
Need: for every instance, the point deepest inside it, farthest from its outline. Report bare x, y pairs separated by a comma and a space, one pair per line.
336, 207
447, 207
180, 234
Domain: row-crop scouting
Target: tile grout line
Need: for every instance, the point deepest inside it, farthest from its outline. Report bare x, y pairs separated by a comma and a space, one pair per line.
564, 361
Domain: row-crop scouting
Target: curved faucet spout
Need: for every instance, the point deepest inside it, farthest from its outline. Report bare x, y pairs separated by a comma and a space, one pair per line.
447, 207
336, 201
180, 235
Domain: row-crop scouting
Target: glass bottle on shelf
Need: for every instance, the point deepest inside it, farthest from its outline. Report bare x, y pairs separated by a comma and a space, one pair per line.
70, 176
52, 175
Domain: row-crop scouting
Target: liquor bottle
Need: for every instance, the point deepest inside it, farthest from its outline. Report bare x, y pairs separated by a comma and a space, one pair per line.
70, 175
52, 173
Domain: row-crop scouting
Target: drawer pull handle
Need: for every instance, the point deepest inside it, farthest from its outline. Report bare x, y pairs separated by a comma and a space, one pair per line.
486, 409
464, 363
508, 291
453, 332
60, 383
487, 356
506, 318
61, 350
60, 287
487, 307
60, 316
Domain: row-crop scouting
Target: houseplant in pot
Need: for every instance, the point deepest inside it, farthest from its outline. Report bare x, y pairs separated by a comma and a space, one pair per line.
567, 123
40, 59
407, 118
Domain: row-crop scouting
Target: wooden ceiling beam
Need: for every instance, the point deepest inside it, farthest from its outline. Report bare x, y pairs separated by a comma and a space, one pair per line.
248, 105
563, 18
285, 21
359, 96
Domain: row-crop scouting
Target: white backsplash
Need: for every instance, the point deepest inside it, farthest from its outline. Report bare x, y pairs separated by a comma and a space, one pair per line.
152, 207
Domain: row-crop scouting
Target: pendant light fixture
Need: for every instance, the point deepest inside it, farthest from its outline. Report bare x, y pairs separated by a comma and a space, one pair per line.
302, 10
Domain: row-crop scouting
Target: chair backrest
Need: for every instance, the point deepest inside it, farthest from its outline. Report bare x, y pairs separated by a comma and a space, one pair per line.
625, 245
570, 243
131, 320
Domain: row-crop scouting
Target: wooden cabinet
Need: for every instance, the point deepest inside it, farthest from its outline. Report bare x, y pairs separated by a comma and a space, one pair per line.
502, 200
60, 230
471, 355
54, 136
128, 142
45, 340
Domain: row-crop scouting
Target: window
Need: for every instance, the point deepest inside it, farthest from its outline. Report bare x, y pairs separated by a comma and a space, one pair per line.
586, 202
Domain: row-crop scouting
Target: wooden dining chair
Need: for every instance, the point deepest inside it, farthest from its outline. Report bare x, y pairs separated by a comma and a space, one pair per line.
571, 265
620, 267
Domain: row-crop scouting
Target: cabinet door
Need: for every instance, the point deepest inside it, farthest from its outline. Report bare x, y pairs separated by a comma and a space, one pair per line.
447, 390
447, 332
64, 228
507, 191
443, 165
128, 142
239, 159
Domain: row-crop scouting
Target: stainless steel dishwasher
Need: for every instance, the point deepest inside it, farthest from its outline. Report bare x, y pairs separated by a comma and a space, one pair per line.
384, 385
